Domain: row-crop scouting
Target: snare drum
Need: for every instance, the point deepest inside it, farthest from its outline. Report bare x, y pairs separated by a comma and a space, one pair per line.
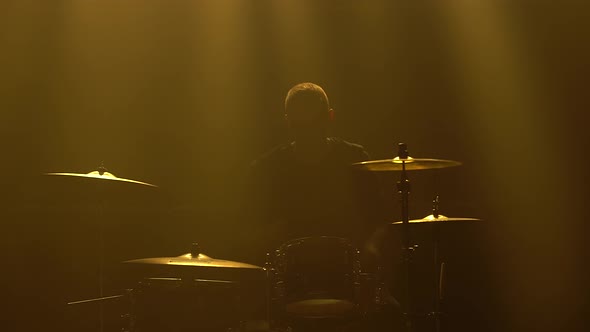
316, 277
195, 305
173, 304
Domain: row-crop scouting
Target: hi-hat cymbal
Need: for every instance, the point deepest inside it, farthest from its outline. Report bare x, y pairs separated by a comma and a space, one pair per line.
431, 219
411, 164
96, 175
200, 261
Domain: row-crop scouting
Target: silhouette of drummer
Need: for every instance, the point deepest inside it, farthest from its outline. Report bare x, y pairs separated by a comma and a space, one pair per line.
307, 187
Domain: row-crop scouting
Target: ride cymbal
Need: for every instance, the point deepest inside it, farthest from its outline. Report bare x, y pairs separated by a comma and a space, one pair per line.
411, 164
431, 219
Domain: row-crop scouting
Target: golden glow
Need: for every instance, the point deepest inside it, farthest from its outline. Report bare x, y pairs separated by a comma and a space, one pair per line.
504, 107
182, 91
298, 43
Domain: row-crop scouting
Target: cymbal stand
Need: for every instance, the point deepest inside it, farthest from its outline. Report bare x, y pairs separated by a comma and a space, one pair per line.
268, 288
403, 186
99, 215
101, 201
438, 270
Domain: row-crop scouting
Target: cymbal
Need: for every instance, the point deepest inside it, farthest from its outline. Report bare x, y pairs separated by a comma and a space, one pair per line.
201, 261
96, 175
196, 280
411, 164
430, 219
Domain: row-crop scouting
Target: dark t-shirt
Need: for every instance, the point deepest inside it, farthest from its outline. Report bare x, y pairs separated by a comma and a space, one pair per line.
325, 198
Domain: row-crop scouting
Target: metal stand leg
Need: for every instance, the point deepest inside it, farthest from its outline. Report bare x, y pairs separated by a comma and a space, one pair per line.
404, 191
438, 268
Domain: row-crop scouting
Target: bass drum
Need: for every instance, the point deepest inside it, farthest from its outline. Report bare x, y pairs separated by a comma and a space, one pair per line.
316, 277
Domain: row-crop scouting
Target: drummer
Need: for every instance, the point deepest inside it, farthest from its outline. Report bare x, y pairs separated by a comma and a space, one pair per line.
306, 187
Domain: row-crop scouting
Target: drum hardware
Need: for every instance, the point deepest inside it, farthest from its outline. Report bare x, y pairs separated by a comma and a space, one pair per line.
403, 162
195, 270
180, 304
438, 267
125, 320
196, 291
403, 187
268, 289
372, 293
316, 281
104, 298
435, 220
99, 178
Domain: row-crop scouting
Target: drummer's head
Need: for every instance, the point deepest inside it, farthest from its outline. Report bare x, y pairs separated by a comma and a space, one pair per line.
308, 111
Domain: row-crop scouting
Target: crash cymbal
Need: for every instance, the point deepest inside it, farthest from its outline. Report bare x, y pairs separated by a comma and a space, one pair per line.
431, 219
411, 164
96, 175
201, 261
196, 280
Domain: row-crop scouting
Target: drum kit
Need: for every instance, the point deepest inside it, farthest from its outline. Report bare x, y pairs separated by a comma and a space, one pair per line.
305, 284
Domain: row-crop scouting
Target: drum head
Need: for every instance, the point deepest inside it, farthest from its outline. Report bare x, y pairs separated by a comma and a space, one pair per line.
317, 277
320, 308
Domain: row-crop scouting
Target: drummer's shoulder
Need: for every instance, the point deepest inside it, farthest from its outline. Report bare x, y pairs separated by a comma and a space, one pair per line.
355, 151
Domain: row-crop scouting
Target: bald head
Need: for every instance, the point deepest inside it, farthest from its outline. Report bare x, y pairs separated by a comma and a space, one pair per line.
307, 110
308, 95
